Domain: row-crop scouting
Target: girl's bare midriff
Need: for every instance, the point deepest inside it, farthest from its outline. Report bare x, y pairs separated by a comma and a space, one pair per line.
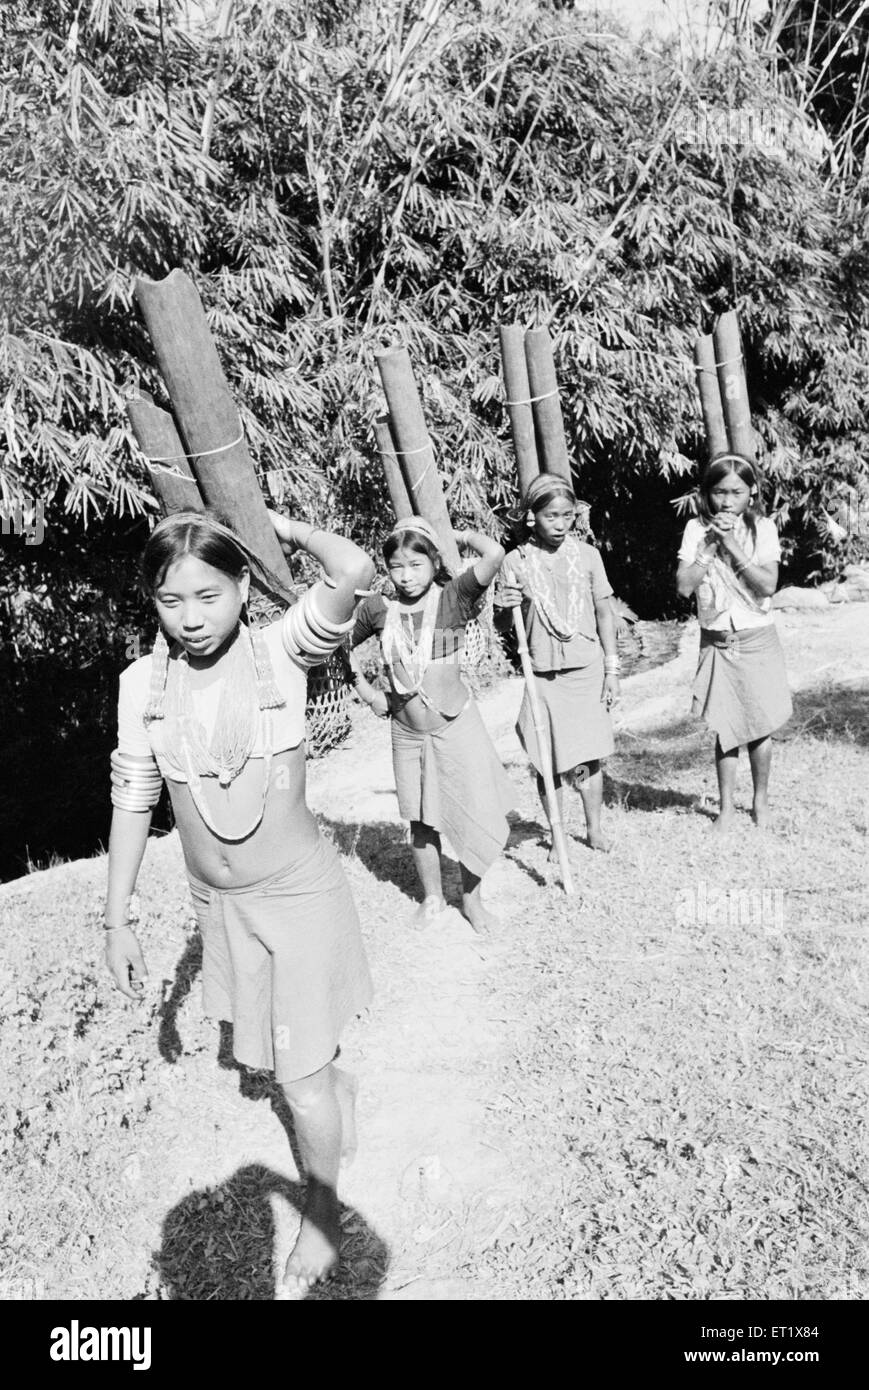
443, 686
286, 833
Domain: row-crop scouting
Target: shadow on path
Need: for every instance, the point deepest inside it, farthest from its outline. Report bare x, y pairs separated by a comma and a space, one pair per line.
218, 1244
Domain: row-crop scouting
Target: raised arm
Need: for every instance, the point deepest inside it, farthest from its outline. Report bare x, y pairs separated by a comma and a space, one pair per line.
490, 552
346, 566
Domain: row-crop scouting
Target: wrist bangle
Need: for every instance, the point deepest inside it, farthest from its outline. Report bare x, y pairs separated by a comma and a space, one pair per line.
704, 560
125, 926
746, 564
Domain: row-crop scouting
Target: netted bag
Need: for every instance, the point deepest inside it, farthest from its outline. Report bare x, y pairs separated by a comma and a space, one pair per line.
327, 712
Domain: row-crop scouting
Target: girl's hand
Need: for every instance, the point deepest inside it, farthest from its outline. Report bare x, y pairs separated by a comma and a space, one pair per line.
509, 596
287, 531
723, 528
380, 704
125, 961
611, 693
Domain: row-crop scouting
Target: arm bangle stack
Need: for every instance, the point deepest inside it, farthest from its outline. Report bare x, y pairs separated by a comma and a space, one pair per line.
612, 665
136, 786
704, 560
308, 636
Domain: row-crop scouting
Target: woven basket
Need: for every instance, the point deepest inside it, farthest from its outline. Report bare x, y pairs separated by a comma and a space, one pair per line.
327, 712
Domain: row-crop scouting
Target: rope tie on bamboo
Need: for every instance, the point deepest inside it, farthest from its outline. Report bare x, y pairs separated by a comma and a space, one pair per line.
532, 400
156, 461
728, 362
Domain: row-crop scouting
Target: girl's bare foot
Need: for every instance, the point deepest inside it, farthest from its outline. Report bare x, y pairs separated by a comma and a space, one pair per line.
480, 918
428, 911
723, 823
314, 1256
595, 840
346, 1089
760, 813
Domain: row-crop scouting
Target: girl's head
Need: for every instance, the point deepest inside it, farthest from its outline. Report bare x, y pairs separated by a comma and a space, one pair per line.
730, 484
413, 557
198, 572
549, 505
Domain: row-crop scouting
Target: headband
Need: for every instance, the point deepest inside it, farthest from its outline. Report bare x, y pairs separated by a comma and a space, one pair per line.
419, 524
733, 458
546, 482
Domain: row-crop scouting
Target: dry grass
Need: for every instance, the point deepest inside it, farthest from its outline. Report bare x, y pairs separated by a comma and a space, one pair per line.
662, 1087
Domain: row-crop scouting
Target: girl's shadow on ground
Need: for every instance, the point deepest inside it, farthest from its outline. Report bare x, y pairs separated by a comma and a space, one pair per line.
218, 1244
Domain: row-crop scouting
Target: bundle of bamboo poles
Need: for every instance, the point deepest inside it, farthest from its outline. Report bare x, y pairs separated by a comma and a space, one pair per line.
720, 368
408, 454
197, 455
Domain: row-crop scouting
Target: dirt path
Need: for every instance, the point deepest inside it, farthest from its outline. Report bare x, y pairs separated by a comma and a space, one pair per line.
519, 1096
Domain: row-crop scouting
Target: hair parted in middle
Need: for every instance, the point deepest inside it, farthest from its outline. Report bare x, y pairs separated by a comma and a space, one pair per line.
207, 537
409, 535
719, 468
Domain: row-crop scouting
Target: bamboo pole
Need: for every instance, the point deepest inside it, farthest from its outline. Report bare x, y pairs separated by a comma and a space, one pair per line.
519, 393
414, 448
710, 397
548, 420
207, 417
157, 437
558, 838
395, 484
730, 366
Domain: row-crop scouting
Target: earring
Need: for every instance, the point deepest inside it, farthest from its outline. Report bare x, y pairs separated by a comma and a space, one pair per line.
529, 518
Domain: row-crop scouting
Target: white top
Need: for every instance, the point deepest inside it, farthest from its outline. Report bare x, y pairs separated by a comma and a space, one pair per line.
724, 602
144, 740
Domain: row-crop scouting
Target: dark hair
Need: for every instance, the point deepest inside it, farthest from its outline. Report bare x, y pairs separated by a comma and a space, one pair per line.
419, 544
538, 494
719, 468
207, 537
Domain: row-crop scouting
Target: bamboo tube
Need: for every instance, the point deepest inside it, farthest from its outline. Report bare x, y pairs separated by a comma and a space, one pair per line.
558, 838
396, 486
733, 386
548, 421
157, 437
710, 397
414, 448
206, 413
519, 393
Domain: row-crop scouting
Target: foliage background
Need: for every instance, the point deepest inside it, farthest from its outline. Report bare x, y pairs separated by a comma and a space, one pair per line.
383, 170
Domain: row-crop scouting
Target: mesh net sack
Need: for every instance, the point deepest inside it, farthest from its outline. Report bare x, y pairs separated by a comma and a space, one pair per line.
327, 712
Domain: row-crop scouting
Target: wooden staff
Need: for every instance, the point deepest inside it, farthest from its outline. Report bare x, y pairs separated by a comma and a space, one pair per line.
710, 397
171, 476
519, 394
548, 420
730, 366
414, 448
206, 414
544, 750
395, 484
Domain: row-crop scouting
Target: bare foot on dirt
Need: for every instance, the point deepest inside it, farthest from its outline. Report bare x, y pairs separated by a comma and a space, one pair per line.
428, 912
315, 1254
481, 919
346, 1089
595, 840
723, 824
760, 814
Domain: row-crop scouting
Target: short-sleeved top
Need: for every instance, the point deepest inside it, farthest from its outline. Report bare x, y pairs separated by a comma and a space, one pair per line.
144, 740
724, 602
548, 653
461, 600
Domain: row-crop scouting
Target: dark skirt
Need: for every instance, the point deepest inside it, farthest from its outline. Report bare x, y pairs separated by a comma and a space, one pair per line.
452, 780
578, 722
741, 686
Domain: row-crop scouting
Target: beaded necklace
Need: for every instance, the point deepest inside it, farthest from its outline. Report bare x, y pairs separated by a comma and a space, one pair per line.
247, 691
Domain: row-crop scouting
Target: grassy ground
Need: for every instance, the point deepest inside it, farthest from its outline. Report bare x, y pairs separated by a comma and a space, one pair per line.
653, 1090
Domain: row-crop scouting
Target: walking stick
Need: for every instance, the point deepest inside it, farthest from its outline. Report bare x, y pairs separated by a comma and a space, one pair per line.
543, 745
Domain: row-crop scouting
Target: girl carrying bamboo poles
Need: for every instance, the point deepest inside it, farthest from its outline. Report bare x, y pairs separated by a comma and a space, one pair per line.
218, 711
729, 558
561, 583
448, 776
